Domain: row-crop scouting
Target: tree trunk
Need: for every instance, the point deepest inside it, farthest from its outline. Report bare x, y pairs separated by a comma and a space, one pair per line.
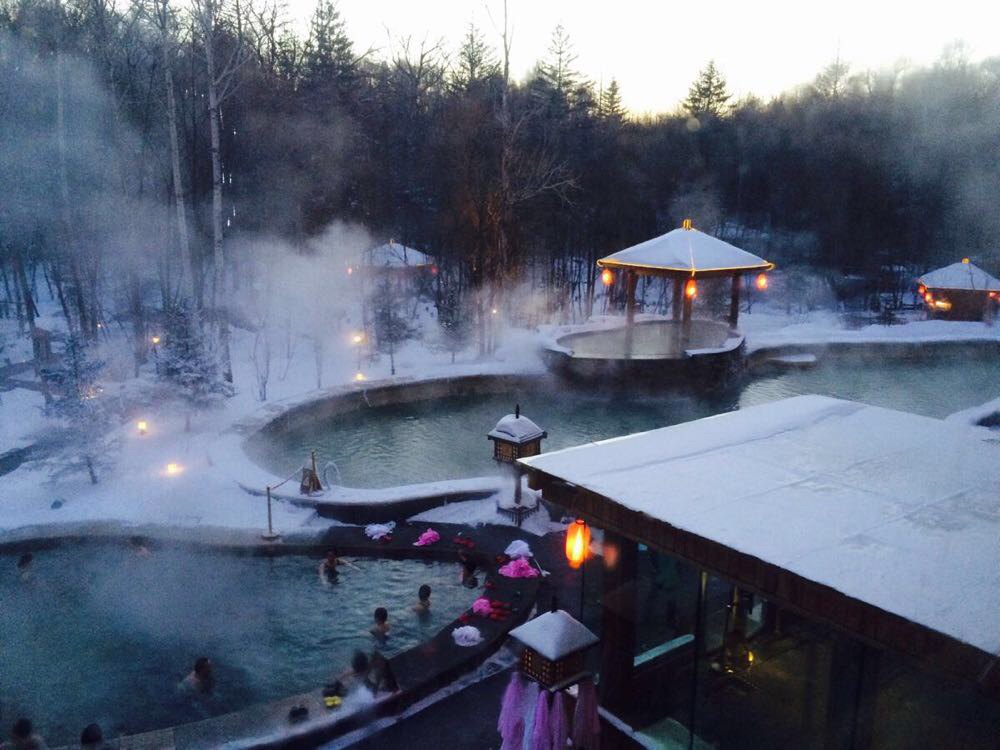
218, 264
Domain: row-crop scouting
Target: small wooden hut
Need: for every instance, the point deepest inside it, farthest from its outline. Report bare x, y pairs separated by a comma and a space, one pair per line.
961, 291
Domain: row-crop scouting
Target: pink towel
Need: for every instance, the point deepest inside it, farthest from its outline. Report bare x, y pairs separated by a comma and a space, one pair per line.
558, 722
586, 721
482, 606
541, 732
428, 537
519, 568
511, 722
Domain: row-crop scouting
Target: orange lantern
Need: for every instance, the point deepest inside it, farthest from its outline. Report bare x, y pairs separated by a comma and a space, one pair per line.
928, 298
921, 290
607, 277
691, 289
762, 281
577, 543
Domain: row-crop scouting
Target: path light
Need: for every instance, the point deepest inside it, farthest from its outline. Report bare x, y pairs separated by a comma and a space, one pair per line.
357, 338
965, 260
141, 426
691, 289
174, 469
350, 270
155, 340
493, 311
762, 281
607, 277
359, 377
577, 543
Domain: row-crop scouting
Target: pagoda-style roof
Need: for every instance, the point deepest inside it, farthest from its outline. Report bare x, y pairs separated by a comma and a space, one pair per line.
516, 428
555, 635
686, 251
964, 276
395, 255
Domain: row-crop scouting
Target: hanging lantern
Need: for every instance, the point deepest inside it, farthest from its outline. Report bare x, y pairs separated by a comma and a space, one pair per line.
607, 277
921, 290
928, 298
761, 281
691, 289
965, 260
577, 543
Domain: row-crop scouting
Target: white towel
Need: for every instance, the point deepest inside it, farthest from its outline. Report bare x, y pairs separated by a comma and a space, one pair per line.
467, 635
518, 548
378, 530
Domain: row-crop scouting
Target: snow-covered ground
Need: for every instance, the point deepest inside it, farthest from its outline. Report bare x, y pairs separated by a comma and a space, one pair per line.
203, 489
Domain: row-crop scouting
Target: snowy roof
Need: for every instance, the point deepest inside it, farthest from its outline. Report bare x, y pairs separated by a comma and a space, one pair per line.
516, 429
896, 510
686, 250
554, 635
395, 255
961, 276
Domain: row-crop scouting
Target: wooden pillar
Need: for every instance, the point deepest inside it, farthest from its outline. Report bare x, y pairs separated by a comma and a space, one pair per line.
678, 297
851, 696
631, 281
618, 622
686, 318
734, 302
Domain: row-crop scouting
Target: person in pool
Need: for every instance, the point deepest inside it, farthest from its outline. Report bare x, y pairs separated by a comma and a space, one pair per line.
201, 679
23, 737
329, 568
381, 627
91, 738
24, 566
423, 605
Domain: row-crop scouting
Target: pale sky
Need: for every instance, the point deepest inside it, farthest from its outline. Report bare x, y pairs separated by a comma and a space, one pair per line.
655, 48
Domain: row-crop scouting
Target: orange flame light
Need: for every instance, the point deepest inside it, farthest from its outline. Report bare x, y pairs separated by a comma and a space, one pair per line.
577, 543
928, 298
921, 290
607, 277
691, 289
762, 281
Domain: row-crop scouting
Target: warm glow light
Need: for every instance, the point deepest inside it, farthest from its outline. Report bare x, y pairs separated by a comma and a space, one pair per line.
174, 469
359, 377
942, 304
994, 295
577, 543
691, 289
928, 298
965, 260
349, 270
750, 657
762, 281
155, 339
607, 277
141, 426
493, 311
434, 270
921, 290
357, 338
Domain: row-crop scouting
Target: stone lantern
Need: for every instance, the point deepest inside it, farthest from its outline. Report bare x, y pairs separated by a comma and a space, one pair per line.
515, 437
554, 647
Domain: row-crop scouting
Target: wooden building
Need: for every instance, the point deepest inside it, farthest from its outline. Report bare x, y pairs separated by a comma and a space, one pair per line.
961, 291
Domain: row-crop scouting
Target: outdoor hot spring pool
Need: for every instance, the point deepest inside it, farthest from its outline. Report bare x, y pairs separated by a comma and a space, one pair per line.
99, 634
445, 438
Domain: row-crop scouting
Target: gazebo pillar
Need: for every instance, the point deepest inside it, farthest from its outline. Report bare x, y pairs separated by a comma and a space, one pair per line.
678, 297
631, 281
734, 302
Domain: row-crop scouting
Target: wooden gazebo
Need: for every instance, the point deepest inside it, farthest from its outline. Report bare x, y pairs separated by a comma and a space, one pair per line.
684, 255
961, 291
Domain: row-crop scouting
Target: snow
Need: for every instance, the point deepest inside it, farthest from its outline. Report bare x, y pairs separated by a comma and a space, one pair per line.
976, 415
686, 250
516, 429
960, 276
480, 512
395, 255
897, 510
554, 635
22, 418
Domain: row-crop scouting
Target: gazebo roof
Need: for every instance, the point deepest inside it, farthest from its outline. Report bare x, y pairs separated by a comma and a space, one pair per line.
396, 255
515, 428
554, 635
962, 276
685, 251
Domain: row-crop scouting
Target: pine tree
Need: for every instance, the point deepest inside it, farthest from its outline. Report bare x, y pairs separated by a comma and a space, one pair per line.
832, 80
330, 67
557, 69
188, 364
78, 402
611, 106
477, 62
453, 319
391, 328
708, 95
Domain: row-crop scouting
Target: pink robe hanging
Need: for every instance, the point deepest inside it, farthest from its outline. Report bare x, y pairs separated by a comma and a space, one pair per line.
511, 722
541, 731
558, 722
586, 722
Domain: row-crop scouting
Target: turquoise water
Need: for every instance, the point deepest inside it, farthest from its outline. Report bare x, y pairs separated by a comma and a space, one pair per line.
100, 634
446, 438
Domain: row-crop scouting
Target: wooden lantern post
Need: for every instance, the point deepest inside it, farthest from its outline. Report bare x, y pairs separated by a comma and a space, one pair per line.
515, 437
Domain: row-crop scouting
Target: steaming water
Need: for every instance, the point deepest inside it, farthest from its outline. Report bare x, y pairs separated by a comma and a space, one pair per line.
446, 438
99, 634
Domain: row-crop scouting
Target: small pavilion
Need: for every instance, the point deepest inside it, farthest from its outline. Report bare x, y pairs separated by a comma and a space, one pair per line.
961, 291
684, 255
